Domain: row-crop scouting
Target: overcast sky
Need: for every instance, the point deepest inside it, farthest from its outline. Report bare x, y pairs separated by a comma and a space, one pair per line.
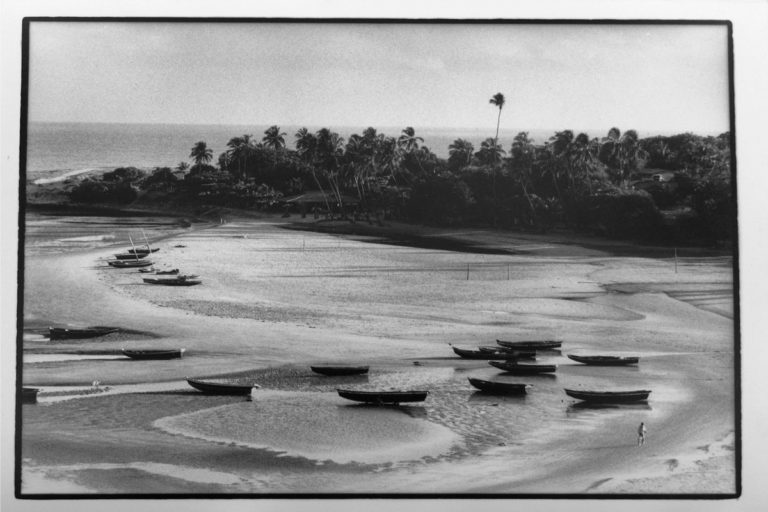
648, 77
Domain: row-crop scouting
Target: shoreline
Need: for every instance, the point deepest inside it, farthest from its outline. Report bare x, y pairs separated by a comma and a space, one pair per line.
342, 335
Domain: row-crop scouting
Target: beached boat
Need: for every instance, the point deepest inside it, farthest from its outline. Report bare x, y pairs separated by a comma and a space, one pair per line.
383, 397
154, 353
131, 256
523, 369
498, 388
29, 395
129, 263
221, 388
519, 354
62, 333
158, 272
605, 360
143, 250
530, 345
339, 370
483, 354
637, 395
174, 281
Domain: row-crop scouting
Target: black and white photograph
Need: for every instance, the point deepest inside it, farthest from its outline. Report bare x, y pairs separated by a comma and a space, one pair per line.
376, 257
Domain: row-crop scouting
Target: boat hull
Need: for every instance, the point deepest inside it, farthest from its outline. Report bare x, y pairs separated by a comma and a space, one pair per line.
605, 360
383, 397
215, 388
484, 354
530, 345
498, 388
340, 370
60, 333
609, 397
153, 354
129, 263
524, 369
131, 256
172, 282
29, 395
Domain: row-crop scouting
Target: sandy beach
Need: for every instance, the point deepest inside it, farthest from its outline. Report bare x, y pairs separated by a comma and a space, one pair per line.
274, 301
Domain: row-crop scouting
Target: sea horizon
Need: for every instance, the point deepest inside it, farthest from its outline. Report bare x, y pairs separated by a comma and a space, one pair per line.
65, 146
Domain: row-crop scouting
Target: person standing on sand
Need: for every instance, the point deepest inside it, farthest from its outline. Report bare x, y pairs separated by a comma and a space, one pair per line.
641, 430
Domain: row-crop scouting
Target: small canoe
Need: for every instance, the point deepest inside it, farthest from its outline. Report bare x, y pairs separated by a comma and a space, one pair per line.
605, 360
131, 256
483, 354
142, 250
609, 396
220, 388
154, 354
519, 354
383, 397
158, 272
29, 395
523, 369
530, 345
61, 333
498, 388
339, 370
176, 281
129, 263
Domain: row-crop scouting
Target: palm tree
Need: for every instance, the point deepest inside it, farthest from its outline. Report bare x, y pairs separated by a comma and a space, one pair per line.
585, 158
201, 154
490, 153
460, 153
183, 166
274, 139
621, 153
498, 100
240, 150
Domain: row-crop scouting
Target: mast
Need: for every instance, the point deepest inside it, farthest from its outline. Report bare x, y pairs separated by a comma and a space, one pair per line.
134, 248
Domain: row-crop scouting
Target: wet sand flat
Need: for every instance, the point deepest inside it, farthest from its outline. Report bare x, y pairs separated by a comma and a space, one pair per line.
274, 301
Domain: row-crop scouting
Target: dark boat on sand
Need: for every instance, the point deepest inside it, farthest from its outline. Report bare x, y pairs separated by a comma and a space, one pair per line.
154, 353
339, 370
519, 354
483, 354
523, 369
158, 272
142, 250
131, 256
609, 396
129, 263
220, 388
530, 345
498, 388
605, 360
62, 333
174, 281
383, 397
29, 395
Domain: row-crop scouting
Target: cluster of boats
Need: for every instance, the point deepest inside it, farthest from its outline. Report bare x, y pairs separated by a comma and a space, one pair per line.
506, 355
136, 257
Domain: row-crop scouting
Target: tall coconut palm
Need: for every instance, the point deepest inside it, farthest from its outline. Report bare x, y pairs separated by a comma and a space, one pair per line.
182, 166
622, 154
240, 150
490, 153
497, 100
201, 154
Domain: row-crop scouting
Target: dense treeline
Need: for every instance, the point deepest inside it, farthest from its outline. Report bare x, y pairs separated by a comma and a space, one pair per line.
672, 189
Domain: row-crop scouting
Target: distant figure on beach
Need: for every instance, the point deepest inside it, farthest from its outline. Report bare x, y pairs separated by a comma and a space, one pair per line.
641, 430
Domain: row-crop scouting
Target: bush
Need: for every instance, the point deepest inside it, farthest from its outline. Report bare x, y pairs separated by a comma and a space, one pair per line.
619, 214
98, 191
123, 174
439, 200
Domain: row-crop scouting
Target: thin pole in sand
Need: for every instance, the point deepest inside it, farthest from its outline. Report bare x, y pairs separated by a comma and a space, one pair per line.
507, 271
134, 248
467, 271
675, 260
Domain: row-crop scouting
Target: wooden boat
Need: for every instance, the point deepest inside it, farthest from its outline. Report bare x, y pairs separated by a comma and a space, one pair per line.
609, 396
158, 272
129, 263
29, 395
220, 388
143, 250
483, 354
498, 388
383, 397
339, 370
605, 360
131, 256
530, 345
62, 333
523, 369
175, 281
154, 354
519, 354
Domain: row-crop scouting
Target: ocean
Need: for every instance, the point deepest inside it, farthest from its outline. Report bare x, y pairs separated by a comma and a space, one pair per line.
55, 149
